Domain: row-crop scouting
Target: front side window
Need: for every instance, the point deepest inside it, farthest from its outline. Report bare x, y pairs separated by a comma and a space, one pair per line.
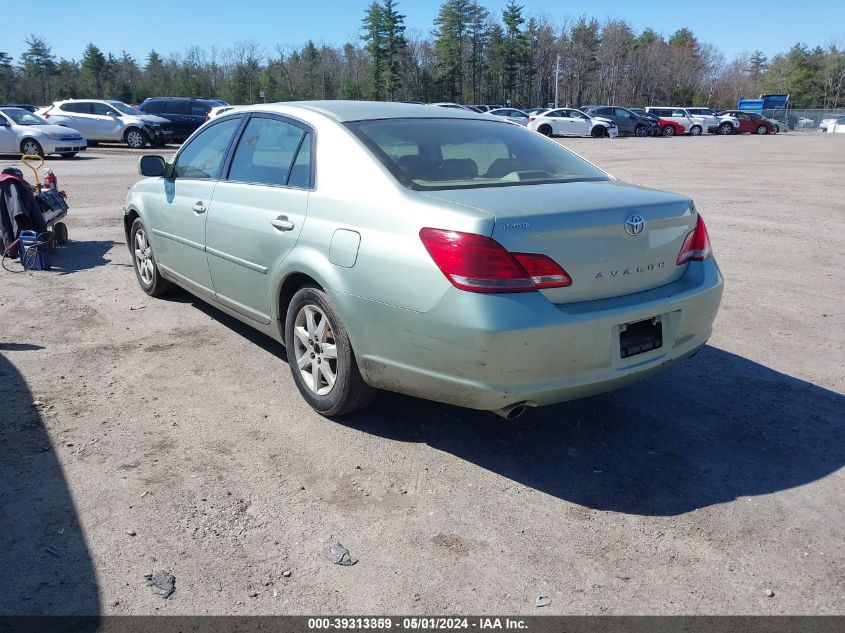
266, 152
203, 156
431, 154
101, 109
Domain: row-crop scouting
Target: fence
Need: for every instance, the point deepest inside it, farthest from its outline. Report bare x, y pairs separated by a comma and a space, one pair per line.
801, 120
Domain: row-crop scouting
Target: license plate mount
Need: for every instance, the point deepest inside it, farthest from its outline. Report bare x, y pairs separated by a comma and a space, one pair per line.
640, 337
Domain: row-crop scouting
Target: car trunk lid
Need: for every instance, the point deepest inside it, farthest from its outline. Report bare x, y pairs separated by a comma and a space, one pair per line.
582, 226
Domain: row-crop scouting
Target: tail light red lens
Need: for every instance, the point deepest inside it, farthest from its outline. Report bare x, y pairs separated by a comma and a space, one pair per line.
544, 271
696, 246
477, 263
531, 118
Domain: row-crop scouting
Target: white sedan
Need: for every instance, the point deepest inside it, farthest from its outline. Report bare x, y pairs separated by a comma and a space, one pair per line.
22, 132
511, 114
571, 122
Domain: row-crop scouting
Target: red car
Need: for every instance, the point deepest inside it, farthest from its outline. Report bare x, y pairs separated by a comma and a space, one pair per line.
668, 127
751, 122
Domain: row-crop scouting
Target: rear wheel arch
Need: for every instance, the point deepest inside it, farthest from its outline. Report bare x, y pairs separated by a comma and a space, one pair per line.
291, 284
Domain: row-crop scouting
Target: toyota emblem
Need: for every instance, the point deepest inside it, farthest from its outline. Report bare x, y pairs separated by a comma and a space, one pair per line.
634, 225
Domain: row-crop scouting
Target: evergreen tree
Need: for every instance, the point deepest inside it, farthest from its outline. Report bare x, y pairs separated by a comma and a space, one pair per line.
39, 64
94, 65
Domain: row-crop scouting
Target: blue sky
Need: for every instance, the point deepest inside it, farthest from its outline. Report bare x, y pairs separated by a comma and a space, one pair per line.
137, 26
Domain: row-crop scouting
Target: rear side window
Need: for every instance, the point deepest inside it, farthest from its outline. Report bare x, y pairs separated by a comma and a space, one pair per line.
266, 152
203, 157
152, 106
176, 106
431, 154
605, 111
198, 108
78, 107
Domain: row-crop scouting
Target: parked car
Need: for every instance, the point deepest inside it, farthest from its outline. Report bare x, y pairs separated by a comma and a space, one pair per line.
185, 114
22, 132
110, 121
667, 126
751, 122
218, 110
714, 122
627, 121
445, 254
829, 124
571, 122
535, 111
23, 106
683, 122
510, 114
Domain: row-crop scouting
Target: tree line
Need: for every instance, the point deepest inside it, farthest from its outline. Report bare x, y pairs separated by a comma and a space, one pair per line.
471, 55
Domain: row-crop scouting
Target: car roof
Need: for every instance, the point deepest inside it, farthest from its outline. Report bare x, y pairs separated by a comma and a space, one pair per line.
344, 111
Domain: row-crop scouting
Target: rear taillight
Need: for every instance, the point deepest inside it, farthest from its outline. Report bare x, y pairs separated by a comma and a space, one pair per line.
696, 246
532, 118
46, 115
477, 263
544, 271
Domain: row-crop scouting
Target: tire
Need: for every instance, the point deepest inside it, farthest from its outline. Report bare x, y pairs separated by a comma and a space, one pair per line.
334, 386
725, 128
135, 138
545, 130
761, 129
640, 131
695, 130
68, 155
32, 147
60, 232
599, 132
146, 270
668, 130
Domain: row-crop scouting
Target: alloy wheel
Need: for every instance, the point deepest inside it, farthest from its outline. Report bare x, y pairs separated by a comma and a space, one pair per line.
315, 350
31, 147
144, 257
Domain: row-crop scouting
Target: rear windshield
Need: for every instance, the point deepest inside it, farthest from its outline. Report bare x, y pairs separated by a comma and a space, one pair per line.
430, 154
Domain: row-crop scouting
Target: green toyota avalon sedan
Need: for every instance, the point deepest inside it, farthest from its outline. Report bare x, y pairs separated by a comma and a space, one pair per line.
440, 253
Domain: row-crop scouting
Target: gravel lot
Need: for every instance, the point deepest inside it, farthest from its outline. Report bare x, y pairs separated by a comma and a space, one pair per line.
170, 437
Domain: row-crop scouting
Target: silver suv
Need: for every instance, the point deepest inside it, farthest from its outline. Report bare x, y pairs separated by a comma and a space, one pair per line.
103, 121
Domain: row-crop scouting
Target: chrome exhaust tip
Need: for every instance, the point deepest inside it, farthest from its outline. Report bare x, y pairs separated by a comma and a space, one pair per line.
512, 411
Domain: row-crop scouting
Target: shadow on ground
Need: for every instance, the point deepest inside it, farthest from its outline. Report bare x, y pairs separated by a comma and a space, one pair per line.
47, 567
707, 430
76, 256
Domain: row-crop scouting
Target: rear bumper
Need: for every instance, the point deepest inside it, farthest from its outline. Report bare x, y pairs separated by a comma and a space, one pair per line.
489, 351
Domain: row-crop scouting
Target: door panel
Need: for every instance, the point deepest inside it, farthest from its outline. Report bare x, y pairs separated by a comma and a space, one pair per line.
178, 229
8, 139
178, 223
245, 246
258, 213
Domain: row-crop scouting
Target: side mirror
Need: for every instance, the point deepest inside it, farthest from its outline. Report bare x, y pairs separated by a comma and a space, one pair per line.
152, 166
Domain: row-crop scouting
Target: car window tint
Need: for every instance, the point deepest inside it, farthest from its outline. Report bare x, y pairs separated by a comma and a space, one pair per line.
450, 154
152, 107
77, 107
198, 108
265, 152
203, 156
605, 111
176, 106
678, 113
300, 173
622, 112
101, 109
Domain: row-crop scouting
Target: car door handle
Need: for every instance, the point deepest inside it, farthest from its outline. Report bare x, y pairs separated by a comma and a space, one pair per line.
199, 207
282, 223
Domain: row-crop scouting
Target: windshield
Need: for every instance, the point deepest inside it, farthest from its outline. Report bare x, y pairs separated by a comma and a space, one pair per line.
23, 117
431, 154
123, 108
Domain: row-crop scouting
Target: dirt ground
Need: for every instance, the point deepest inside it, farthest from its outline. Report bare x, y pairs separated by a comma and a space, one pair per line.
167, 436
